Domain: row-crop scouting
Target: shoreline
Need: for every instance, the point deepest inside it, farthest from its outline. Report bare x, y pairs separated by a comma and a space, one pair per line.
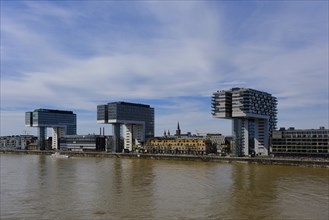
306, 162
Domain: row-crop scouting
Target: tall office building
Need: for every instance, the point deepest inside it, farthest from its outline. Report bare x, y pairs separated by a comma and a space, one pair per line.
136, 121
253, 114
62, 123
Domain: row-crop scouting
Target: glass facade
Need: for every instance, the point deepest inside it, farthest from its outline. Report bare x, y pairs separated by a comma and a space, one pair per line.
52, 118
251, 135
102, 114
237, 135
43, 118
28, 118
83, 143
125, 113
42, 133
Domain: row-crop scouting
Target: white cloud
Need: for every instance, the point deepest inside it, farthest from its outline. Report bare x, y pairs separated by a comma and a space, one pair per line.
181, 50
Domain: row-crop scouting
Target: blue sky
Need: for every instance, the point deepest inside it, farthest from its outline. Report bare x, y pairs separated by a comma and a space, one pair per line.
172, 55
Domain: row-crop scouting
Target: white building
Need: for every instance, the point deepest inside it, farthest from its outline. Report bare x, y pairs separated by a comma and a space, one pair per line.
16, 142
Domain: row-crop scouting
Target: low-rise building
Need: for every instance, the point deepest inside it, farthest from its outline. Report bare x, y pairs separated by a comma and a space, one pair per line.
218, 140
300, 142
84, 142
17, 142
180, 146
188, 143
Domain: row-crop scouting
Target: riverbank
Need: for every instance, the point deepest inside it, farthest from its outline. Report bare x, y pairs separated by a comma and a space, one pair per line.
309, 162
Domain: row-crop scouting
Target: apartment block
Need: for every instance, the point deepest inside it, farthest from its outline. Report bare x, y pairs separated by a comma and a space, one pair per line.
254, 117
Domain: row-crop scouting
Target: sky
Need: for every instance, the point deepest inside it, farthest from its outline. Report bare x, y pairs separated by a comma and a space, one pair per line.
172, 55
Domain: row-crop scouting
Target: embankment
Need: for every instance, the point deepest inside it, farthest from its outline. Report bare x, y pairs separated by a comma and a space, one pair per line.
309, 162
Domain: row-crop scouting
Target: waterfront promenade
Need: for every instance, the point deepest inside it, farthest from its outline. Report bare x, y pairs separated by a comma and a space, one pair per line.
309, 162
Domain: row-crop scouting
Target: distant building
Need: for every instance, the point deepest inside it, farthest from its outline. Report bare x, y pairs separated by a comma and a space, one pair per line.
254, 117
180, 146
62, 123
300, 142
84, 142
217, 140
136, 120
229, 143
185, 143
17, 142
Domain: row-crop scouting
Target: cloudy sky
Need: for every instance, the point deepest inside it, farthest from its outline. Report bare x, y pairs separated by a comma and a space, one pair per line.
172, 55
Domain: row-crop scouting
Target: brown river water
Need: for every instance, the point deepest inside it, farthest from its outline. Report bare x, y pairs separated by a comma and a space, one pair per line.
41, 187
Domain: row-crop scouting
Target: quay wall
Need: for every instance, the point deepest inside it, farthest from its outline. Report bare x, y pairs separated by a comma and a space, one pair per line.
309, 162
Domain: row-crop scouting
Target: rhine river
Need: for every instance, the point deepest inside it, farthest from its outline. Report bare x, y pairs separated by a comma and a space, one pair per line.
41, 187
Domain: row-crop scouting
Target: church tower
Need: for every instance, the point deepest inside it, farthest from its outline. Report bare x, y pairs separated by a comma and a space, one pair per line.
178, 131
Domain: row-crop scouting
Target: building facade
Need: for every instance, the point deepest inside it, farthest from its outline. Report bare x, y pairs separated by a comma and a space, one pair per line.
217, 140
300, 142
61, 122
185, 143
83, 142
17, 142
136, 121
191, 145
254, 117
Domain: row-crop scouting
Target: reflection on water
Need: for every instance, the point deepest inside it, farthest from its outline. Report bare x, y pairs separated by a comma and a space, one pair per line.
37, 187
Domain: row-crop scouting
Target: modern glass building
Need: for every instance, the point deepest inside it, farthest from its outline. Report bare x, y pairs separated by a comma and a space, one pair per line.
136, 121
62, 123
254, 117
83, 142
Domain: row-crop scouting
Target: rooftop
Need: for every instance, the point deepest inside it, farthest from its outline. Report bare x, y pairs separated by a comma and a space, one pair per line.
53, 111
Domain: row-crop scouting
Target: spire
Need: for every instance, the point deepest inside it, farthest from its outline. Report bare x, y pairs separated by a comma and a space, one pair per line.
178, 131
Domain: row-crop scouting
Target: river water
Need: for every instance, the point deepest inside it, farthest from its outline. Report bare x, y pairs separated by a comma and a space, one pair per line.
40, 187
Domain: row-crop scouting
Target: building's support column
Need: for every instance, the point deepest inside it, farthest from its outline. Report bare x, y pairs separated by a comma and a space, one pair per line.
262, 130
128, 136
266, 137
236, 136
256, 138
57, 133
133, 135
245, 137
42, 131
138, 134
240, 137
116, 138
54, 138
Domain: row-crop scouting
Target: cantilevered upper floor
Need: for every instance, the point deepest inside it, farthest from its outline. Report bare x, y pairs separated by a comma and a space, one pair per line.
52, 118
